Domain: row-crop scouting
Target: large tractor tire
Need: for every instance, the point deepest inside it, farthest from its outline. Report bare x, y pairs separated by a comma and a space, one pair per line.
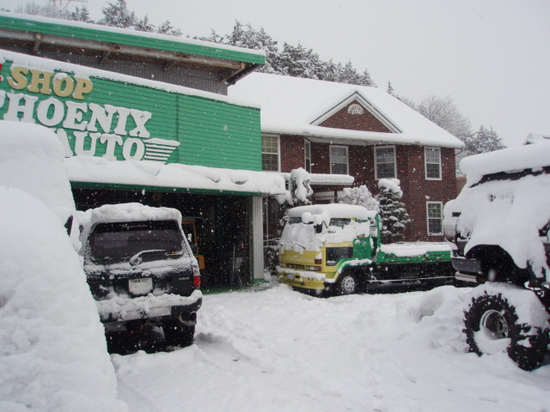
507, 318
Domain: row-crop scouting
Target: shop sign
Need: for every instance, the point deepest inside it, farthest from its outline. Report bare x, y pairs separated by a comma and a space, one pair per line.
62, 101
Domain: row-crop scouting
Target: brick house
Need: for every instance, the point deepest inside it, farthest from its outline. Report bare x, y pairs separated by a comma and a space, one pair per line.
347, 135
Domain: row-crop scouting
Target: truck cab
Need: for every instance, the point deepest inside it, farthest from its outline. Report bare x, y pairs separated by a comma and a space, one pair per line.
318, 240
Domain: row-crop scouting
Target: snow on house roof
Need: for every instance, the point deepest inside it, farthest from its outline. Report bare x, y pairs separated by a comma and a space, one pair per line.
291, 105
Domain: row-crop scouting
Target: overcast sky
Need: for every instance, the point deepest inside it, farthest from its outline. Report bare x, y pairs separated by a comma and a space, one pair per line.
492, 57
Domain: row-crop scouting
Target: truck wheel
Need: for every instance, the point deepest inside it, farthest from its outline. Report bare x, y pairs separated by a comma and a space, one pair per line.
177, 334
346, 284
492, 325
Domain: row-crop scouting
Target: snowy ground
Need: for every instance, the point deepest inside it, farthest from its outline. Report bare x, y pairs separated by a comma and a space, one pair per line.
279, 350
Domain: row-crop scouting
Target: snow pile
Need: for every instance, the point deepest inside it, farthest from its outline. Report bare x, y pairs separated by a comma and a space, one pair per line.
508, 212
53, 354
280, 350
391, 185
31, 159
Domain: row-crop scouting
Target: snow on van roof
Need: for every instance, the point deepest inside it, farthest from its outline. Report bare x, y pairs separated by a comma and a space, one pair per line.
531, 156
333, 210
130, 212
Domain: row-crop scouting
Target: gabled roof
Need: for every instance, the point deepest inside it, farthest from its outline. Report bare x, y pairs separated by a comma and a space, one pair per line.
295, 106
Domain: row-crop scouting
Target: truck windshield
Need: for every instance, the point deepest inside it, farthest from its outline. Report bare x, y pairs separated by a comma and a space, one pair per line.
118, 242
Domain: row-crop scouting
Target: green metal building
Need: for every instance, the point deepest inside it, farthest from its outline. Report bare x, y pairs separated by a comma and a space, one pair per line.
145, 117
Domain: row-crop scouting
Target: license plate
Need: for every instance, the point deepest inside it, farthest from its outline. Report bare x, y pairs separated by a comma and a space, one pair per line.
290, 276
141, 286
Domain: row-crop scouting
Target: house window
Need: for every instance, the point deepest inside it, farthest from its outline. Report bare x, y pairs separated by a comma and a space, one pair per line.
385, 162
270, 153
339, 160
432, 156
435, 218
307, 154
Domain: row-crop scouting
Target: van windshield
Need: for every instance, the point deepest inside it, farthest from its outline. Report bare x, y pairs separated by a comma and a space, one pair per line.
118, 242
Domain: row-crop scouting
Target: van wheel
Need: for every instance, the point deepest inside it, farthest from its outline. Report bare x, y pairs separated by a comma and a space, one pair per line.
346, 284
492, 325
177, 334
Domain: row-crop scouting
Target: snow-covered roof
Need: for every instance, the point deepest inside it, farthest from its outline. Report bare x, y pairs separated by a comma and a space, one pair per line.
132, 37
291, 105
173, 176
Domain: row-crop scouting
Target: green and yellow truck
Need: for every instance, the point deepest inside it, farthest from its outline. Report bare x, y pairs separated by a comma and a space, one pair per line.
336, 248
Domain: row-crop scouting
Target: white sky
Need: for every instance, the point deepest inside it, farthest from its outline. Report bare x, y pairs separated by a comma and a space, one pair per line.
491, 56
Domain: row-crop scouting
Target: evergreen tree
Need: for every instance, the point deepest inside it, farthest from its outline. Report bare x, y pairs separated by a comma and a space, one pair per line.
80, 14
144, 25
483, 141
296, 61
392, 211
167, 28
118, 15
358, 196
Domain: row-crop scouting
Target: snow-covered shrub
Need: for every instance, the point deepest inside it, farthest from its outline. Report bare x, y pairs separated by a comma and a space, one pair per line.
392, 211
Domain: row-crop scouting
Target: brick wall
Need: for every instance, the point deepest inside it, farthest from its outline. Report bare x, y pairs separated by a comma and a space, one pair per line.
292, 153
351, 120
410, 171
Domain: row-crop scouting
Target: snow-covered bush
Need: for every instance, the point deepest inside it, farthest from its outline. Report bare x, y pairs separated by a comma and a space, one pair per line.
392, 211
358, 196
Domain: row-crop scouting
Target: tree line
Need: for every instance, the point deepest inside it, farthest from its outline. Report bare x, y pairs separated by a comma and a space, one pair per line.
289, 60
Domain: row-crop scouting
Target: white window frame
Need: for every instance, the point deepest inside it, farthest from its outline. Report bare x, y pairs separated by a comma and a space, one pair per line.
272, 153
429, 218
347, 158
376, 162
307, 150
438, 149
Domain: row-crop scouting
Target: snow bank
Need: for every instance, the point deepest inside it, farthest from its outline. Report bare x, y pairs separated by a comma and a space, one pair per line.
53, 354
279, 350
31, 159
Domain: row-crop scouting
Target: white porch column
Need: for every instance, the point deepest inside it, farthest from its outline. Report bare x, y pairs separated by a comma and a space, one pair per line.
257, 238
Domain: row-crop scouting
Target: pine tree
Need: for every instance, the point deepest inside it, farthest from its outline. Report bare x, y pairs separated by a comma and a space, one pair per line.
167, 28
483, 141
118, 15
144, 25
358, 196
392, 211
80, 14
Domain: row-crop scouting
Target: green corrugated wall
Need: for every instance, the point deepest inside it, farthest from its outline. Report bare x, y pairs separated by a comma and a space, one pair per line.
211, 132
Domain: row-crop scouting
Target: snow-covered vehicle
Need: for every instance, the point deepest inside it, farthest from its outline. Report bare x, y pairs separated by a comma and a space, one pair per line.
141, 269
500, 223
336, 248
